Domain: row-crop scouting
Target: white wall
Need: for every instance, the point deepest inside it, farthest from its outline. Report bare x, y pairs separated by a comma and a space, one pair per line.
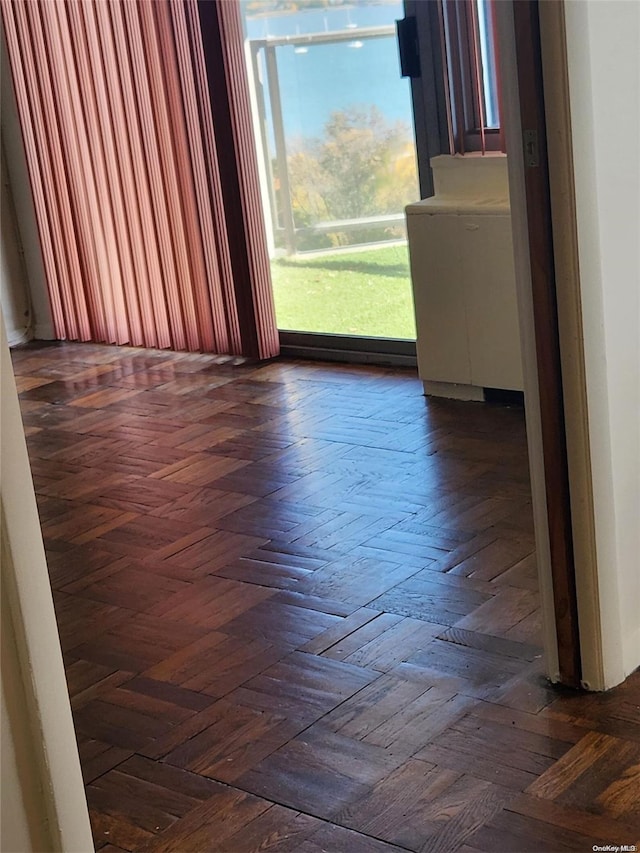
42, 793
24, 281
603, 45
14, 292
24, 821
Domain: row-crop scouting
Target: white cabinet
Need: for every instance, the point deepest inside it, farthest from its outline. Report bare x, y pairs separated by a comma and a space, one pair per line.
464, 290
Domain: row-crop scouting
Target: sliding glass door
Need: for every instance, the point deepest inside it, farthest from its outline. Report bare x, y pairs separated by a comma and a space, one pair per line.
338, 163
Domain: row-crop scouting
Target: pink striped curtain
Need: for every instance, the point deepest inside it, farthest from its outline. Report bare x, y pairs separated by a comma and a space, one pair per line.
144, 178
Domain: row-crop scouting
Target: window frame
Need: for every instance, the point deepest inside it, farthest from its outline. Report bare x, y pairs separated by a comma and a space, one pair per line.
433, 96
463, 69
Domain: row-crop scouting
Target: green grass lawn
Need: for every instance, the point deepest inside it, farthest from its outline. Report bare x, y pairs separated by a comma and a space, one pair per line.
349, 293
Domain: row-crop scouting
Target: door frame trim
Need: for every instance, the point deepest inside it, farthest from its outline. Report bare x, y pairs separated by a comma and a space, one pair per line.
522, 264
428, 92
553, 60
565, 239
547, 333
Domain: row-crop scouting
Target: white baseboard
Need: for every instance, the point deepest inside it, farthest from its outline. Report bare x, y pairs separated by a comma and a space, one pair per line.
15, 337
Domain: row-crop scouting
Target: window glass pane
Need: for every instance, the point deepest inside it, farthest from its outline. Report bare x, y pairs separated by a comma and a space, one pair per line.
487, 52
335, 123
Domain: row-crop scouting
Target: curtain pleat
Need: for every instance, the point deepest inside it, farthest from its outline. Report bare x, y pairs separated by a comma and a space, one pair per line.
221, 28
125, 171
140, 243
222, 248
190, 92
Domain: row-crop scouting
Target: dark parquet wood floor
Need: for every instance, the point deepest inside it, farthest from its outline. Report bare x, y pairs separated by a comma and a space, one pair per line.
299, 613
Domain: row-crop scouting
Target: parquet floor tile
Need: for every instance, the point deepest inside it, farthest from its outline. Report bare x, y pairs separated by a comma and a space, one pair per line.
136, 641
238, 738
425, 807
299, 612
218, 663
320, 772
226, 814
